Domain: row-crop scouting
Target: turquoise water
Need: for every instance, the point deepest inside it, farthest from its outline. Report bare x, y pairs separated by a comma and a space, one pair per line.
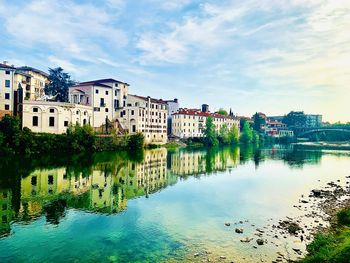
163, 206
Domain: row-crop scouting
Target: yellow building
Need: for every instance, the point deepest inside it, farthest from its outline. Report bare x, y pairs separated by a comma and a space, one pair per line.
32, 81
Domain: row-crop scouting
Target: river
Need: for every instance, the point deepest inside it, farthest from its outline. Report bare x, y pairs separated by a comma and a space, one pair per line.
159, 205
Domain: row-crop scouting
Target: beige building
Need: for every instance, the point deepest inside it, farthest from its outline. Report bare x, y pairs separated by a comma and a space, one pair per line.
32, 81
54, 117
145, 115
6, 89
104, 96
190, 123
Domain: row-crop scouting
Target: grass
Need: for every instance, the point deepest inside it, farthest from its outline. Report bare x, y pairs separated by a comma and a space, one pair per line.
332, 247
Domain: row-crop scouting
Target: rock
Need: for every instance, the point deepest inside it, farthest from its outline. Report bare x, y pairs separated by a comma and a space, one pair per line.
304, 201
239, 230
260, 242
247, 239
260, 231
297, 250
227, 224
222, 257
196, 255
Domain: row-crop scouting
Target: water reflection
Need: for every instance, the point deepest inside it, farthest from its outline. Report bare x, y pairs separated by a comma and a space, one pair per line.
105, 182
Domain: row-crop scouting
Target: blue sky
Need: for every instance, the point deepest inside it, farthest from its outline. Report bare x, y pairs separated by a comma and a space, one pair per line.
254, 55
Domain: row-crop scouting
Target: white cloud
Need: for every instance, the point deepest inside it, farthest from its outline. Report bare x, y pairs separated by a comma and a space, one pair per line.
63, 26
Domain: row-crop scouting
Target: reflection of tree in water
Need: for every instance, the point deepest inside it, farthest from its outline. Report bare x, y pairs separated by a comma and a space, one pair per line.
55, 211
298, 158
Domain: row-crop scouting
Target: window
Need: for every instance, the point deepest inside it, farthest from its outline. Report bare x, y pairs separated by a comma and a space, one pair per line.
77, 112
35, 121
7, 72
52, 110
102, 102
35, 109
34, 180
50, 179
132, 112
106, 92
7, 107
96, 91
7, 83
65, 123
87, 100
96, 109
51, 121
106, 109
134, 128
7, 96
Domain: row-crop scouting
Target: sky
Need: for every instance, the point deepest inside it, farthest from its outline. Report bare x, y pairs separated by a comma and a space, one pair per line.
272, 56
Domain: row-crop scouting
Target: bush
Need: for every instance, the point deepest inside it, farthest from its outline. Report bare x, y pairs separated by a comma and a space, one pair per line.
343, 217
136, 141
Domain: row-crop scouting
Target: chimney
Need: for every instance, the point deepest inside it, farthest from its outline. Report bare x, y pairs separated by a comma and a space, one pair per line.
205, 108
175, 100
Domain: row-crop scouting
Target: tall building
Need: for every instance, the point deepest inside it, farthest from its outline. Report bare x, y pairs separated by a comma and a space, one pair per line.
313, 120
146, 115
6, 89
32, 81
173, 106
105, 96
189, 123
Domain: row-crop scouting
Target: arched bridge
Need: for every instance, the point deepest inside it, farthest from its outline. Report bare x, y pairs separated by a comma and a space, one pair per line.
303, 132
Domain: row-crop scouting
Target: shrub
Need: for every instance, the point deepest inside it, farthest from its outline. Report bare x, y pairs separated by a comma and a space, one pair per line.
343, 217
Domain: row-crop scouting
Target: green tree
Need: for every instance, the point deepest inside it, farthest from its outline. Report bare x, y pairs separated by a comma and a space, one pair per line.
247, 134
258, 122
295, 118
210, 136
233, 135
224, 135
60, 81
222, 112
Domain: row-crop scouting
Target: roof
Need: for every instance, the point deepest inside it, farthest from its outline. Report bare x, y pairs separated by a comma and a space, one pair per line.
79, 90
198, 112
101, 81
22, 73
26, 68
152, 99
91, 84
6, 66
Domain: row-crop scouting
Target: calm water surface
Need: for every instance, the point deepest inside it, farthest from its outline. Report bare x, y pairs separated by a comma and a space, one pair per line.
157, 206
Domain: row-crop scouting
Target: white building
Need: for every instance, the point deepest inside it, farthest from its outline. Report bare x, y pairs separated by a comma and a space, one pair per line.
54, 117
105, 96
173, 106
145, 115
6, 89
189, 123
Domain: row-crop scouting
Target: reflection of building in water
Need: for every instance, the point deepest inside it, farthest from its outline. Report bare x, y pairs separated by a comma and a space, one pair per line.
6, 211
201, 162
146, 177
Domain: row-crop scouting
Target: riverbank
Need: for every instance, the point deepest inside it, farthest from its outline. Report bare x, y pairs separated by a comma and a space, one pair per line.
344, 145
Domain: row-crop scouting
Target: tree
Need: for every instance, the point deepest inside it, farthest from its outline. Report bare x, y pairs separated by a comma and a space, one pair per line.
210, 136
258, 122
60, 81
233, 135
247, 134
222, 112
295, 118
224, 135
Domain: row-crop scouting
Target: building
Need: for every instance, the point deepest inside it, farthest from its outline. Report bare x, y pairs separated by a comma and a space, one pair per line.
189, 123
173, 106
313, 120
145, 115
54, 117
6, 89
105, 96
32, 81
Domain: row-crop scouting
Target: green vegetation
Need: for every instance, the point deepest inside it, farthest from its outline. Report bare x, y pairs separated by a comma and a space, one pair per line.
78, 139
222, 112
333, 247
211, 138
258, 122
60, 81
295, 118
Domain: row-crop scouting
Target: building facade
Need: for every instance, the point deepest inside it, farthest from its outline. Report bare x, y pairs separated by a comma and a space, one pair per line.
313, 120
6, 89
32, 81
173, 106
105, 96
145, 115
189, 123
54, 117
